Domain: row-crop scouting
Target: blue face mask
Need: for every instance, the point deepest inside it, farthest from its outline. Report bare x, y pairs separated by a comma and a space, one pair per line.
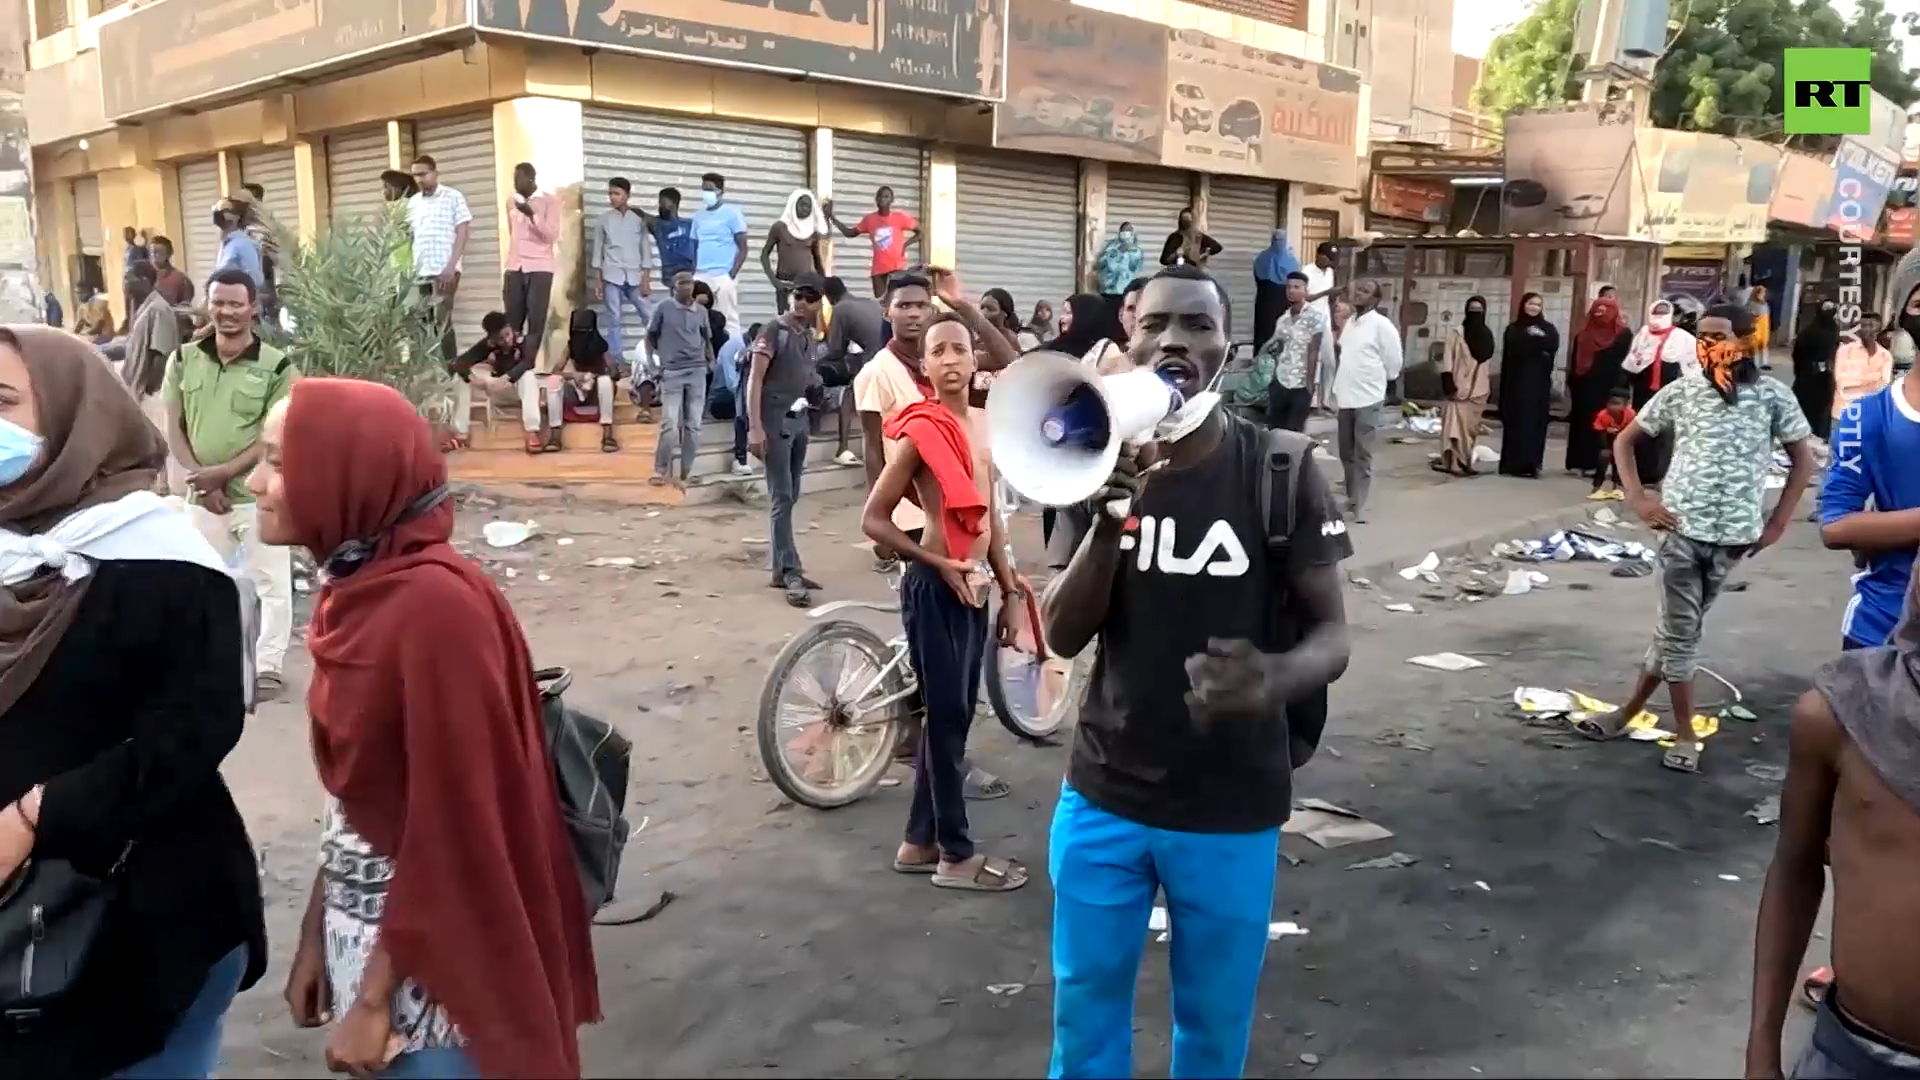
710, 199
19, 449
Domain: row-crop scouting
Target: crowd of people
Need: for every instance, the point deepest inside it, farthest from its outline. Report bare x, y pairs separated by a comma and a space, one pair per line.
1229, 620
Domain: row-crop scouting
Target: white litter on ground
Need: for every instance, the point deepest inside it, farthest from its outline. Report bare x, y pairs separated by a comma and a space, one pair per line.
1446, 661
1425, 566
506, 534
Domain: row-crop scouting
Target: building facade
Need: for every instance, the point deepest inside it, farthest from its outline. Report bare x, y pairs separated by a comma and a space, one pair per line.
144, 115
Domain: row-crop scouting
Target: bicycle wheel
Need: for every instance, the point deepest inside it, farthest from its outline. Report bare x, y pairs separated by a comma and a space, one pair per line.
1033, 697
811, 707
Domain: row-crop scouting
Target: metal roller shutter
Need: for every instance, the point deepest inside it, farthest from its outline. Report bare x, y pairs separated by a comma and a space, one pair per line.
355, 160
1149, 198
462, 149
1241, 214
763, 164
273, 170
86, 216
1018, 226
199, 248
863, 164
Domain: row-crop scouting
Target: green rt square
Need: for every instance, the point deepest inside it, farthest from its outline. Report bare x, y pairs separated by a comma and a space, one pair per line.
1828, 91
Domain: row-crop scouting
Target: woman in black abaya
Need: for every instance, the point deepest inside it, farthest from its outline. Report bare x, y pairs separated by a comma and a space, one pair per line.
1599, 348
1526, 389
1813, 351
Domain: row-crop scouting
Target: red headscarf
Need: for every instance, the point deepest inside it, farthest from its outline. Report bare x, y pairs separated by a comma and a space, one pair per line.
426, 726
1603, 327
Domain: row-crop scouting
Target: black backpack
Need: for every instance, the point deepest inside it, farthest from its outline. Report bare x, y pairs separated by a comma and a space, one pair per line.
591, 765
1283, 455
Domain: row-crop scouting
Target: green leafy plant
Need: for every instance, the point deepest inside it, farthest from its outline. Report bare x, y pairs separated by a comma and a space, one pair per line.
356, 312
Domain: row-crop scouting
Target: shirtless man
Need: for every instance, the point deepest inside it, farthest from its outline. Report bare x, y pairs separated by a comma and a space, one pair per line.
1852, 793
943, 597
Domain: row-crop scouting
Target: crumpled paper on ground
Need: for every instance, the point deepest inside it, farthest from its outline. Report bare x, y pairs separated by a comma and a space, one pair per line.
1566, 545
1576, 706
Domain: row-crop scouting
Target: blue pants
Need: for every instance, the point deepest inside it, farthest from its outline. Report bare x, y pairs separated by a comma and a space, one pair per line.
440, 1063
947, 640
611, 328
193, 1047
1219, 889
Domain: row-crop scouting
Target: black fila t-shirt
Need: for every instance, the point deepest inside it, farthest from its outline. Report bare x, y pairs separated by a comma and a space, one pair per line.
1194, 565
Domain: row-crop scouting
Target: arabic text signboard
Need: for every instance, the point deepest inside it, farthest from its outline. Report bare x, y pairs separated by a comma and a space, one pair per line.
950, 47
1083, 82
1703, 188
1232, 108
182, 51
1567, 170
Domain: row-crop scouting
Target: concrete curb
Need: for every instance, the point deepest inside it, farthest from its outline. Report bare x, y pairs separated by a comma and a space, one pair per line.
1581, 513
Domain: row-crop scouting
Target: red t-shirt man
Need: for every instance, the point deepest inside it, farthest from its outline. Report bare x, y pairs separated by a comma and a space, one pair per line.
891, 231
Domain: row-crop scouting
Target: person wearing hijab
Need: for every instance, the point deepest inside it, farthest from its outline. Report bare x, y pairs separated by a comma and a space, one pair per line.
1270, 271
122, 689
1041, 326
1906, 306
1527, 350
1599, 349
795, 239
1118, 264
1814, 349
1467, 382
1090, 331
1761, 339
1661, 352
447, 924
1186, 245
588, 379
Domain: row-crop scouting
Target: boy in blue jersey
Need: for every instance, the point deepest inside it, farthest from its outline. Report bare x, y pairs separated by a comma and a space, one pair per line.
1876, 454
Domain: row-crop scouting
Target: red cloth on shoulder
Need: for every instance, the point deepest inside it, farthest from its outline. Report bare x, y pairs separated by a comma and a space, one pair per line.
426, 725
941, 439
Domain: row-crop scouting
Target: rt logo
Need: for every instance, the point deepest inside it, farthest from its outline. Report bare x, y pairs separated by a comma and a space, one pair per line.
1827, 91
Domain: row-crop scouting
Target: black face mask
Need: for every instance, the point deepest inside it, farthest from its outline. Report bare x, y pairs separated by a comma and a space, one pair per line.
353, 554
1746, 372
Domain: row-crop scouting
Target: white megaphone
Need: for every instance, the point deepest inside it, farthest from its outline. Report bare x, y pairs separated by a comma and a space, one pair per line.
1056, 426
1903, 349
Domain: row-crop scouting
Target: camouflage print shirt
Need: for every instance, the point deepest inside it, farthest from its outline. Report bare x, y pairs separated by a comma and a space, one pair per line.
1717, 481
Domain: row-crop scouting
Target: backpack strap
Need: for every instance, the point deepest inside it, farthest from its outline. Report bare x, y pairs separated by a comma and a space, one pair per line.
1283, 454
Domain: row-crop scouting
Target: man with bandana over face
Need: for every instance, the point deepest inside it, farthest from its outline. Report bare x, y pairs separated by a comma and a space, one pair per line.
1725, 421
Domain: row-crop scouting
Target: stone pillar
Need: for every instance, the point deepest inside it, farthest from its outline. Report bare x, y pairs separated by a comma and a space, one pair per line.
820, 179
942, 208
546, 133
135, 195
310, 183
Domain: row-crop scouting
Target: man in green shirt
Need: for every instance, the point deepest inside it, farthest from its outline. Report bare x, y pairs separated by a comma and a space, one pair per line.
218, 391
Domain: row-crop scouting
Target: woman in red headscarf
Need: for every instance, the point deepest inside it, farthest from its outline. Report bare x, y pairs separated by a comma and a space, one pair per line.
1599, 348
448, 920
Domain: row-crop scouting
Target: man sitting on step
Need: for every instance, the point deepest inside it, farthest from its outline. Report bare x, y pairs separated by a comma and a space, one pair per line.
493, 367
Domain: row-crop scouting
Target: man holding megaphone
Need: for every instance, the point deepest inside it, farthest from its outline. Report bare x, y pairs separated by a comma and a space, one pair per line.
1211, 578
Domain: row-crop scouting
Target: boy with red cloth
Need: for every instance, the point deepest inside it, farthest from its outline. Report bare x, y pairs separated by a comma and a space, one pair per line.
943, 600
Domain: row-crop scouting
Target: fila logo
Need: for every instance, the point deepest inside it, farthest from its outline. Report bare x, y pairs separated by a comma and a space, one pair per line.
1336, 527
1219, 553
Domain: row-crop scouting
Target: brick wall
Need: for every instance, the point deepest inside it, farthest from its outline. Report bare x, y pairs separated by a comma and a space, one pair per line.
1288, 13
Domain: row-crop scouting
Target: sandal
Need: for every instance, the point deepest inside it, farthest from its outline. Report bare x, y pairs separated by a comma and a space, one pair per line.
1814, 990
1589, 728
268, 686
1684, 756
798, 596
535, 444
981, 786
553, 440
901, 866
988, 878
608, 443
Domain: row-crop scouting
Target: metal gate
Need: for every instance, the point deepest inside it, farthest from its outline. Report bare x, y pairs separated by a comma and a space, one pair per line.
462, 149
1149, 198
355, 160
86, 216
1241, 214
762, 163
273, 170
862, 165
1019, 226
197, 249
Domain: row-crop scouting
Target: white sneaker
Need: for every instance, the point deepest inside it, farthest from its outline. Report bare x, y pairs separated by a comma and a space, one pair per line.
741, 468
846, 457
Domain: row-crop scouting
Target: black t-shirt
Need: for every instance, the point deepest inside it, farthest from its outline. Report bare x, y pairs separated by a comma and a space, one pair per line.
789, 352
1194, 565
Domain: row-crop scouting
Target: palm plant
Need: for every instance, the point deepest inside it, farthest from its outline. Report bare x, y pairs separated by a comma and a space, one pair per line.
356, 312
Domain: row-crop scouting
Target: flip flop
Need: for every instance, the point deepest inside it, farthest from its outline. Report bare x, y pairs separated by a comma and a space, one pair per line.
994, 788
901, 867
989, 878
1684, 757
1587, 728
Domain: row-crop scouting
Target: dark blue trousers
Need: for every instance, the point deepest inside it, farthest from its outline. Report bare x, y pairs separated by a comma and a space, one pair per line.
946, 640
